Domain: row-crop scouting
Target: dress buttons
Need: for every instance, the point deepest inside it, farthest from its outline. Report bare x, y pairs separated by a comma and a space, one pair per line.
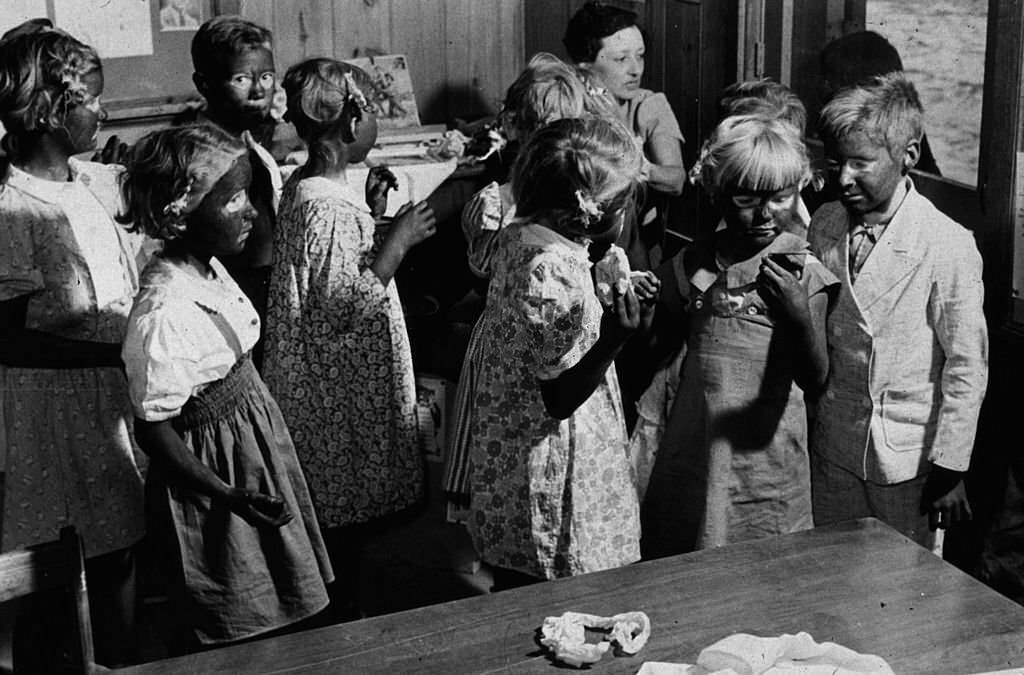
698, 303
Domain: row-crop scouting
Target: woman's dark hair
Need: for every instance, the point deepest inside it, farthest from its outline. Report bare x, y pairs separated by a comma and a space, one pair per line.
592, 23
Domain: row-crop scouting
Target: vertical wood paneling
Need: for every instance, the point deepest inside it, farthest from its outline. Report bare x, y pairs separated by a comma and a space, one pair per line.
258, 11
303, 29
359, 26
418, 31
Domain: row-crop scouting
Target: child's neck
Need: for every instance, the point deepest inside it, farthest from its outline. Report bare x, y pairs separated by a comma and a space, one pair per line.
46, 159
328, 164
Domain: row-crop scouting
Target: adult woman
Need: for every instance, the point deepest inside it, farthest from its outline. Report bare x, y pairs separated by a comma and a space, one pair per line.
67, 277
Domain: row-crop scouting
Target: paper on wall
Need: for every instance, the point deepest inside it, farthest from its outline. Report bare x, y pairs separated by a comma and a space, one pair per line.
115, 28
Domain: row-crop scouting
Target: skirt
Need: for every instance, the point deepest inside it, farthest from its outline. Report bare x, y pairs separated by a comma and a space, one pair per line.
238, 581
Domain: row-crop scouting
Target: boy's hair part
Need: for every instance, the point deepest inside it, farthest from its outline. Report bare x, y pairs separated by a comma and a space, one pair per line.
756, 153
885, 108
41, 79
579, 174
762, 97
224, 36
593, 22
548, 89
167, 173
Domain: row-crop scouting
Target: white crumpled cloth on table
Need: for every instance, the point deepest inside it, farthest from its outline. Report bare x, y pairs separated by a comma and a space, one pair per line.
743, 654
565, 635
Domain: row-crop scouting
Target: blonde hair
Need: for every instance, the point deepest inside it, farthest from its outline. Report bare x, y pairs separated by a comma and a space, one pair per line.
324, 96
755, 153
885, 108
548, 89
578, 174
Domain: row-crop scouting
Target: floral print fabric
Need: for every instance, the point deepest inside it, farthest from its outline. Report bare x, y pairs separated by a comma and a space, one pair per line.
338, 358
549, 497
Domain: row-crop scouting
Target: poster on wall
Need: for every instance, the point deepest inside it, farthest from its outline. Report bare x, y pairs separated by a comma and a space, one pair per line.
116, 28
180, 15
394, 97
14, 12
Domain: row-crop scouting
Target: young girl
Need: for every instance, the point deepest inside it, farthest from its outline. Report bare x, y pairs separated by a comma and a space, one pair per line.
67, 276
733, 463
547, 90
338, 356
225, 493
551, 489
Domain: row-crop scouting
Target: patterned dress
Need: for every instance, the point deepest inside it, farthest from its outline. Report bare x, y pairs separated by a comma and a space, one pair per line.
338, 359
549, 497
67, 432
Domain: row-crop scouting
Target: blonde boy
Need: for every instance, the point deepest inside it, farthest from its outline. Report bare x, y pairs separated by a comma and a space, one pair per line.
908, 345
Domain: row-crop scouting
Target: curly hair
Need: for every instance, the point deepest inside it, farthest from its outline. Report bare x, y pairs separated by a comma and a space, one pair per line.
578, 174
324, 96
591, 24
224, 36
41, 79
170, 171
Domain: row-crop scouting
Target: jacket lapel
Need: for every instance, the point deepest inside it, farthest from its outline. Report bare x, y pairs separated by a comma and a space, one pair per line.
894, 257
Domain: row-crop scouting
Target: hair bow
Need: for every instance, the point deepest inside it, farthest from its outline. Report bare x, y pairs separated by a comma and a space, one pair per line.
588, 208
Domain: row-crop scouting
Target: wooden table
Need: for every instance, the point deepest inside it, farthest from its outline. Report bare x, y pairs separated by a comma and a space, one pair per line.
859, 584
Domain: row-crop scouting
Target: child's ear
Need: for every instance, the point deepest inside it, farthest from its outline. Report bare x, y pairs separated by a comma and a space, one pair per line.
349, 131
202, 86
911, 153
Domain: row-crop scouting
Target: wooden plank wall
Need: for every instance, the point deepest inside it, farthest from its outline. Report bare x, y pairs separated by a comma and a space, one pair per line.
463, 54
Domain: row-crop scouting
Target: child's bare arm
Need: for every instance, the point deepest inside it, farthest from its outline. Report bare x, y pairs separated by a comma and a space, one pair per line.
165, 447
412, 224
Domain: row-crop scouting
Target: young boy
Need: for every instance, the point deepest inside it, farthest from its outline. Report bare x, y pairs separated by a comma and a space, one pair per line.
908, 345
234, 71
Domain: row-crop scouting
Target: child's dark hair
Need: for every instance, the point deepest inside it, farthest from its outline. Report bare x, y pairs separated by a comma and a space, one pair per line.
168, 172
41, 71
324, 97
854, 57
224, 36
592, 23
885, 108
578, 174
763, 97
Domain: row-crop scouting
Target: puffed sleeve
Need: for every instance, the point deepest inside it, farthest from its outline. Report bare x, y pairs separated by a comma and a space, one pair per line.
343, 290
19, 274
482, 217
654, 117
819, 279
162, 373
552, 307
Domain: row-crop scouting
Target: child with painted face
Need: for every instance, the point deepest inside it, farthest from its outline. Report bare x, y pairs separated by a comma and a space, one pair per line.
338, 354
732, 464
547, 420
908, 341
68, 273
226, 495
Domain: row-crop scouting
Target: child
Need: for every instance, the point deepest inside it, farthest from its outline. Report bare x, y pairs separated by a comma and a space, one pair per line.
732, 465
552, 494
225, 492
234, 72
907, 340
68, 273
606, 40
546, 90
338, 355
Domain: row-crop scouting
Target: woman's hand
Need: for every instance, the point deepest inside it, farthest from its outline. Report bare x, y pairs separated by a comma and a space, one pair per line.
780, 288
258, 509
379, 181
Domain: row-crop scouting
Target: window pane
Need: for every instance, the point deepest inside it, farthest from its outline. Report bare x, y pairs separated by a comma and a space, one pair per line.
942, 45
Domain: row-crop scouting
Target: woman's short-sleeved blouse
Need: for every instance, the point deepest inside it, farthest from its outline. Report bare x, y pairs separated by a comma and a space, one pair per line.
649, 114
185, 332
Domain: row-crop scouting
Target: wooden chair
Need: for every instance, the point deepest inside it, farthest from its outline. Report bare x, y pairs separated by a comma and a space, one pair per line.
54, 565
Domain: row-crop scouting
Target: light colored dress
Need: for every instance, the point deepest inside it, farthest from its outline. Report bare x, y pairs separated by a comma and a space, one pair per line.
67, 432
483, 217
549, 498
186, 353
338, 358
733, 463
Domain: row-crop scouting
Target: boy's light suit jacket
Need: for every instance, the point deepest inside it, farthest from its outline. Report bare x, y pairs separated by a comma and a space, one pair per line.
908, 346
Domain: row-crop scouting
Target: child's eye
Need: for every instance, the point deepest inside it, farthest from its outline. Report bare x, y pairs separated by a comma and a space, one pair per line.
241, 81
237, 202
267, 79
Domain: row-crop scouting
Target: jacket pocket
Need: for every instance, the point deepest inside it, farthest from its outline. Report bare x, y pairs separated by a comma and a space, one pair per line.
907, 418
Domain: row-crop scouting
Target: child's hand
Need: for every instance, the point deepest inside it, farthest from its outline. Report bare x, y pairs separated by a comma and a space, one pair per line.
647, 287
379, 180
623, 316
412, 224
113, 152
781, 288
258, 509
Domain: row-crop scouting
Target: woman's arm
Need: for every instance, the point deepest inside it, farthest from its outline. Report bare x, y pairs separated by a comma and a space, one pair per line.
665, 170
165, 447
567, 392
22, 347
